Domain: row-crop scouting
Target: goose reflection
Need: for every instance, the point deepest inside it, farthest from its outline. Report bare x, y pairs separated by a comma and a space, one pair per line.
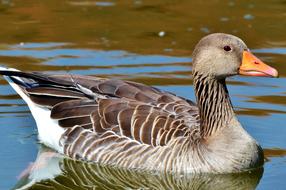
52, 170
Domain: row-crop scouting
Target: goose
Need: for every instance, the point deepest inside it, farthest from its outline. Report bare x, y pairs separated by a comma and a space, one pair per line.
131, 125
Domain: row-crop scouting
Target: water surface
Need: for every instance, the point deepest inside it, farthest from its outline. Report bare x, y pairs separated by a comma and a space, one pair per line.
144, 41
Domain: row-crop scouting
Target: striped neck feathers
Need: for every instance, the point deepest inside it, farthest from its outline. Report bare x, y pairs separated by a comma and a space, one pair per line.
214, 104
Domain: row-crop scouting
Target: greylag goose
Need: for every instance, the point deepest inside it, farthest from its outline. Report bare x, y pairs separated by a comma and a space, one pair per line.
131, 125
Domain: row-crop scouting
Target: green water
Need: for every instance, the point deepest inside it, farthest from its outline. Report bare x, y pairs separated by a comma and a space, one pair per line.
144, 41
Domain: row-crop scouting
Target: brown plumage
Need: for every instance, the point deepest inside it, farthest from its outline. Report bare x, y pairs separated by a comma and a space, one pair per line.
132, 125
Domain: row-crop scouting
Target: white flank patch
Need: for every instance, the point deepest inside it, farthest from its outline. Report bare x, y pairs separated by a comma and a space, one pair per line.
49, 130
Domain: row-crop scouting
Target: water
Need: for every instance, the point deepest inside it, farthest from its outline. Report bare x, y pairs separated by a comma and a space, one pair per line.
144, 41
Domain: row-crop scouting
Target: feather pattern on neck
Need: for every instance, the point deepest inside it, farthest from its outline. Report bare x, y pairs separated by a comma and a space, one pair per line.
215, 106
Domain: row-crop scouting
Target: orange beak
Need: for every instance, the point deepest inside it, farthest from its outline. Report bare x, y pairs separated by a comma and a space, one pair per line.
252, 66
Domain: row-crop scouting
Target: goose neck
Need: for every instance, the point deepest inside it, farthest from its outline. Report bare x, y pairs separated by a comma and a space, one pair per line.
214, 104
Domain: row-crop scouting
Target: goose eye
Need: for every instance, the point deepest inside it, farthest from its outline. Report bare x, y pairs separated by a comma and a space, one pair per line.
227, 48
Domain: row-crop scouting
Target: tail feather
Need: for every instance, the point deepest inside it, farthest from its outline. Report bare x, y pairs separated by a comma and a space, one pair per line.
49, 130
40, 78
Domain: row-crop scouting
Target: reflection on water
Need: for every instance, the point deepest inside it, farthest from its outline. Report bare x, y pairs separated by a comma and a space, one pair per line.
149, 42
53, 171
275, 152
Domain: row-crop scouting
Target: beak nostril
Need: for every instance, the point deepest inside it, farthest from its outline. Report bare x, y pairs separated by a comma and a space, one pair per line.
255, 62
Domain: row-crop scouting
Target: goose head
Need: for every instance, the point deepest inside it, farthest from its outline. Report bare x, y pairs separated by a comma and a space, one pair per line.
221, 55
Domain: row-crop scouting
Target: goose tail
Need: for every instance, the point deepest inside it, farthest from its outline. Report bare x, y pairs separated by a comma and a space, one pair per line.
49, 130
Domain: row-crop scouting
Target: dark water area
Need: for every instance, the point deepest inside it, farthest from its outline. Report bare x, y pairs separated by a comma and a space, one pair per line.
144, 41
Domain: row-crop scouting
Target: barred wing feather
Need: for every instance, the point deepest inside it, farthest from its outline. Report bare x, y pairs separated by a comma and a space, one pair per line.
106, 120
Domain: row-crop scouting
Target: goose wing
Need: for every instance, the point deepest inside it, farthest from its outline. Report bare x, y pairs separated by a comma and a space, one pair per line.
128, 109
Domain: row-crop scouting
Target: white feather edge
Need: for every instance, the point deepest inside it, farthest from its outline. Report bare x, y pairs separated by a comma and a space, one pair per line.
49, 130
